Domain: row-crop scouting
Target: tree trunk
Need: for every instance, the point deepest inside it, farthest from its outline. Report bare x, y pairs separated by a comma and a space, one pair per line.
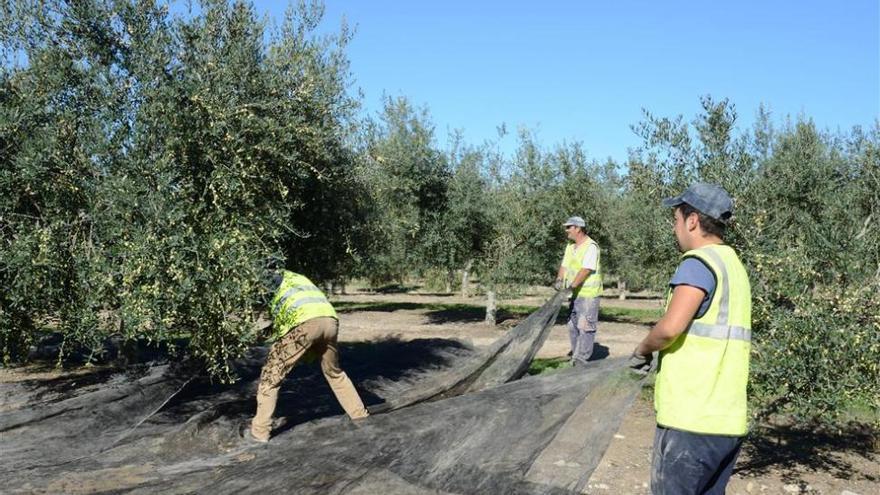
450, 278
465, 274
491, 307
621, 287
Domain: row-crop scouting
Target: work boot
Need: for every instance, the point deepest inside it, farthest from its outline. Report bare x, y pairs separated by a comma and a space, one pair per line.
245, 432
250, 438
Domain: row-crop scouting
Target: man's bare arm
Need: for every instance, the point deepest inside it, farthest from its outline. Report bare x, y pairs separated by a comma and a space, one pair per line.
682, 308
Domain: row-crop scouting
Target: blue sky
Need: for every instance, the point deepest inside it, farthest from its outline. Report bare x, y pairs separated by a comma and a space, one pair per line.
582, 71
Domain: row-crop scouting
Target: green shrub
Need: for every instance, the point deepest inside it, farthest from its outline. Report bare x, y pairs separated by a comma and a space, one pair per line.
817, 360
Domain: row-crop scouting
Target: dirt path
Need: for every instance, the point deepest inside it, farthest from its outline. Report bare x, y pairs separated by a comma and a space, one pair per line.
358, 326
364, 325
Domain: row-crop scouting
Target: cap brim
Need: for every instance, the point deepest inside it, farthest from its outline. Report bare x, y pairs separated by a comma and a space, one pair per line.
670, 202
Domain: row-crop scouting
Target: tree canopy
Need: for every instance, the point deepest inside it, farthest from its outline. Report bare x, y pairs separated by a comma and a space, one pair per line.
150, 163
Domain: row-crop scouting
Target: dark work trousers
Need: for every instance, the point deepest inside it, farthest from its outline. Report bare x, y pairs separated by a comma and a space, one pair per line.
690, 463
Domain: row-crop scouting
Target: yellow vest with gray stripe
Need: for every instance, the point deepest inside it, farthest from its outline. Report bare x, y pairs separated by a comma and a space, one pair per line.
573, 261
702, 377
297, 301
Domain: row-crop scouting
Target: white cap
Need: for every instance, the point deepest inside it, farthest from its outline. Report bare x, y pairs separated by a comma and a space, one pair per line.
576, 221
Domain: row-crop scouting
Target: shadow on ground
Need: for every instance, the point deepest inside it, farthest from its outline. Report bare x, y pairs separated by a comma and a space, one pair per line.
305, 394
615, 315
396, 289
437, 313
539, 366
599, 352
463, 313
787, 449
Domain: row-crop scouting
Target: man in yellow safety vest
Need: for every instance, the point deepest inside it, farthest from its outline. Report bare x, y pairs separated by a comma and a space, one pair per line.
703, 340
580, 270
304, 321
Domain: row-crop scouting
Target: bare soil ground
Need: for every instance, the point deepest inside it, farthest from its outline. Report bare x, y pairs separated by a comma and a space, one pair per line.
786, 462
618, 339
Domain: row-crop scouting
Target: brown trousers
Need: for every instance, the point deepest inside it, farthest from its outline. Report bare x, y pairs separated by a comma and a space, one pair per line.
317, 336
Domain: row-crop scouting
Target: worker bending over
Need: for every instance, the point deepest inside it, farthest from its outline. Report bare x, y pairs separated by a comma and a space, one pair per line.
303, 321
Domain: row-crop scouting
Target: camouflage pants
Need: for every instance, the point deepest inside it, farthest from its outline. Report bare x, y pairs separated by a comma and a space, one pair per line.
315, 336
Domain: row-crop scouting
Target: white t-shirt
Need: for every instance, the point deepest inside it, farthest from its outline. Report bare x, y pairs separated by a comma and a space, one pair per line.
591, 257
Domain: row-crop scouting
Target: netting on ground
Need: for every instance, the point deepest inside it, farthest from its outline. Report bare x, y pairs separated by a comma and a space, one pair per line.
452, 420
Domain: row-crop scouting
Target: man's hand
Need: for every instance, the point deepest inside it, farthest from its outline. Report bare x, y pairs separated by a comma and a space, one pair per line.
639, 363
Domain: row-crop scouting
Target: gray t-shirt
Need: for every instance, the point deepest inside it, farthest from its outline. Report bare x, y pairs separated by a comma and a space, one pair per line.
695, 273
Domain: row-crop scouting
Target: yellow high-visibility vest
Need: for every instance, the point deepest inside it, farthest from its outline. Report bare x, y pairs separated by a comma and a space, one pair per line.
296, 301
573, 261
702, 376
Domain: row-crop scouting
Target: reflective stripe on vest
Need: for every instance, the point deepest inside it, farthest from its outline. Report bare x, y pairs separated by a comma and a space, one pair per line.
573, 261
720, 332
724, 302
702, 378
289, 292
297, 301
